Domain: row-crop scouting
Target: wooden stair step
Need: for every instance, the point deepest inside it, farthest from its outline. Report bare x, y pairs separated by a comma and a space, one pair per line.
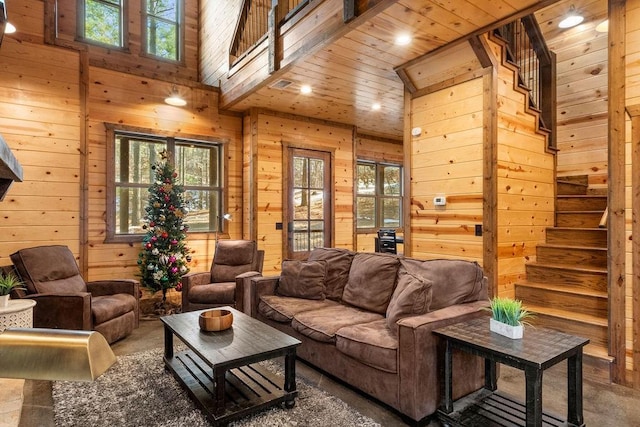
566, 187
569, 254
580, 276
594, 328
597, 365
560, 296
576, 179
592, 237
578, 219
581, 202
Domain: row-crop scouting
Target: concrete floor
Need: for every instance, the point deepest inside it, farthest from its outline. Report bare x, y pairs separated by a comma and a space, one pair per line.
604, 405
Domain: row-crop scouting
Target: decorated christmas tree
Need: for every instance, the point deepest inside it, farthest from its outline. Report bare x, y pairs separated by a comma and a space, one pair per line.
164, 255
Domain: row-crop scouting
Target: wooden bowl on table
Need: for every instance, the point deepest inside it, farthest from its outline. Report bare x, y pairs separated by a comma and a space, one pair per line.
215, 320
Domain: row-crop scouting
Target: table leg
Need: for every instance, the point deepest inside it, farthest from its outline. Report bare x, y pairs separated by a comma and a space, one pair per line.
168, 342
534, 396
574, 388
447, 404
218, 391
290, 376
490, 377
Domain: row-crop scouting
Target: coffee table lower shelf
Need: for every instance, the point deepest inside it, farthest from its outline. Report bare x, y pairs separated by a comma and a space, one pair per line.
248, 388
485, 408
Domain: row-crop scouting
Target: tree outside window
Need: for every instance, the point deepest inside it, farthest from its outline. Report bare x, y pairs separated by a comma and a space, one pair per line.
379, 196
162, 20
199, 168
103, 22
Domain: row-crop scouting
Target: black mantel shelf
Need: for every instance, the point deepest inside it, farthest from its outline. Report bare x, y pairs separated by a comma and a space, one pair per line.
10, 169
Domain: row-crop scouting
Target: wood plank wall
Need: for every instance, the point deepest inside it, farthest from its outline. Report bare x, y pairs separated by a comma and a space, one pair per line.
526, 183
582, 119
272, 131
446, 159
44, 93
215, 38
632, 199
40, 121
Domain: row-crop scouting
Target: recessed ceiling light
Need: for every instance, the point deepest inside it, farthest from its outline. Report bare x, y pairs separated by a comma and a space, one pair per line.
305, 89
375, 106
403, 39
603, 27
572, 19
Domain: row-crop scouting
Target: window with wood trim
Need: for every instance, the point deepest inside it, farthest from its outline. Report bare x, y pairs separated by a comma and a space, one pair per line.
198, 164
163, 22
378, 196
102, 21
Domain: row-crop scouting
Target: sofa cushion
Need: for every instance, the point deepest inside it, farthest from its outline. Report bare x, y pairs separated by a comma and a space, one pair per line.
370, 343
107, 307
302, 279
213, 293
372, 278
338, 265
454, 281
323, 323
282, 309
411, 297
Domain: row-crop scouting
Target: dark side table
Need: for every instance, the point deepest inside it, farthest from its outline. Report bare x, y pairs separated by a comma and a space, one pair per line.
538, 350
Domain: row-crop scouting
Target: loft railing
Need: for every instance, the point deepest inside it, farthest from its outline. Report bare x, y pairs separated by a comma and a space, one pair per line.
253, 24
527, 49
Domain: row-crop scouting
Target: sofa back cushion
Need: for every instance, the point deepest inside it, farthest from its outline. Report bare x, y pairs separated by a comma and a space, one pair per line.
232, 258
338, 265
412, 297
302, 279
453, 281
372, 278
46, 269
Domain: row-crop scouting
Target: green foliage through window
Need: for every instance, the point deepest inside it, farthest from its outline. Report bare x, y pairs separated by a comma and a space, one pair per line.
103, 21
163, 28
379, 196
199, 168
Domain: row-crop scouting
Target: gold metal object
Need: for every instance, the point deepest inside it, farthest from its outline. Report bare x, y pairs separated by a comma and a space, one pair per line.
54, 354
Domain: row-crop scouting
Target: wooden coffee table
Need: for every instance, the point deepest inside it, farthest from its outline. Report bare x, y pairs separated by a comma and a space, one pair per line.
220, 370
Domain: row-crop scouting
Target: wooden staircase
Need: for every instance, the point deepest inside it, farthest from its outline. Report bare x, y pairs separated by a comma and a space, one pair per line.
566, 287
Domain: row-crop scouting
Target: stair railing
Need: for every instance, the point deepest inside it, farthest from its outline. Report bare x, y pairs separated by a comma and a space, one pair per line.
255, 22
527, 49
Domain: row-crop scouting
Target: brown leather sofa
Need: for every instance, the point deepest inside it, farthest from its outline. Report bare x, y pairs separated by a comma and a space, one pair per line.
234, 262
367, 319
65, 301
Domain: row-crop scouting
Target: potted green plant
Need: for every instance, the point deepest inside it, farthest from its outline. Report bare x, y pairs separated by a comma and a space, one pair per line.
8, 282
508, 317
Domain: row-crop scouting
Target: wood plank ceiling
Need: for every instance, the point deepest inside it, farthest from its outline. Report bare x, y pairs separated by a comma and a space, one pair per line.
357, 71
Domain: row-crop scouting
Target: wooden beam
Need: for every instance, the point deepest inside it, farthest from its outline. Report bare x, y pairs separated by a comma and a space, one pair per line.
635, 258
616, 231
84, 169
406, 210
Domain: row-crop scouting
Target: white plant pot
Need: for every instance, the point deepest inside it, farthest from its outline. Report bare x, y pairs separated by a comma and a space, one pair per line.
4, 300
513, 332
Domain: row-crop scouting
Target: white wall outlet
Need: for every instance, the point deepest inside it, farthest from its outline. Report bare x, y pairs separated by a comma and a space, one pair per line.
440, 200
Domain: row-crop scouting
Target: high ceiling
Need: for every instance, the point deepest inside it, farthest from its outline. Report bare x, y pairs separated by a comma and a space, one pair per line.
359, 70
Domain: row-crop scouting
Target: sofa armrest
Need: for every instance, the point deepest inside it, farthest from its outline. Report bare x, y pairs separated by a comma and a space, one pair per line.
421, 356
99, 288
62, 310
258, 286
243, 284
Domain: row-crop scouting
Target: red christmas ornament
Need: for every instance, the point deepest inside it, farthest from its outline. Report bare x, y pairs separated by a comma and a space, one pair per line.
148, 246
165, 235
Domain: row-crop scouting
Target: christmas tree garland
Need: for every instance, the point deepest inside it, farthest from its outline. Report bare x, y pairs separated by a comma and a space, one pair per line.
164, 255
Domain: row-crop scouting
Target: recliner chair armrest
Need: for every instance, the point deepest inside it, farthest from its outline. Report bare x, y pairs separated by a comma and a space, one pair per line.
243, 284
62, 310
194, 279
258, 286
117, 286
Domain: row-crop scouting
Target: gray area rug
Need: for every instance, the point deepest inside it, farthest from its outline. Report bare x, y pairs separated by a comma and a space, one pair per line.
137, 391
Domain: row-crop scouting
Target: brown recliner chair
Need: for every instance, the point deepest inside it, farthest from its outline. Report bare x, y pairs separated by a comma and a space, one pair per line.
234, 263
65, 301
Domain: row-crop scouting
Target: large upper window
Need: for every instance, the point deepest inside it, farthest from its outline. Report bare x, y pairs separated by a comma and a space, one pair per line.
162, 28
103, 22
379, 196
199, 168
